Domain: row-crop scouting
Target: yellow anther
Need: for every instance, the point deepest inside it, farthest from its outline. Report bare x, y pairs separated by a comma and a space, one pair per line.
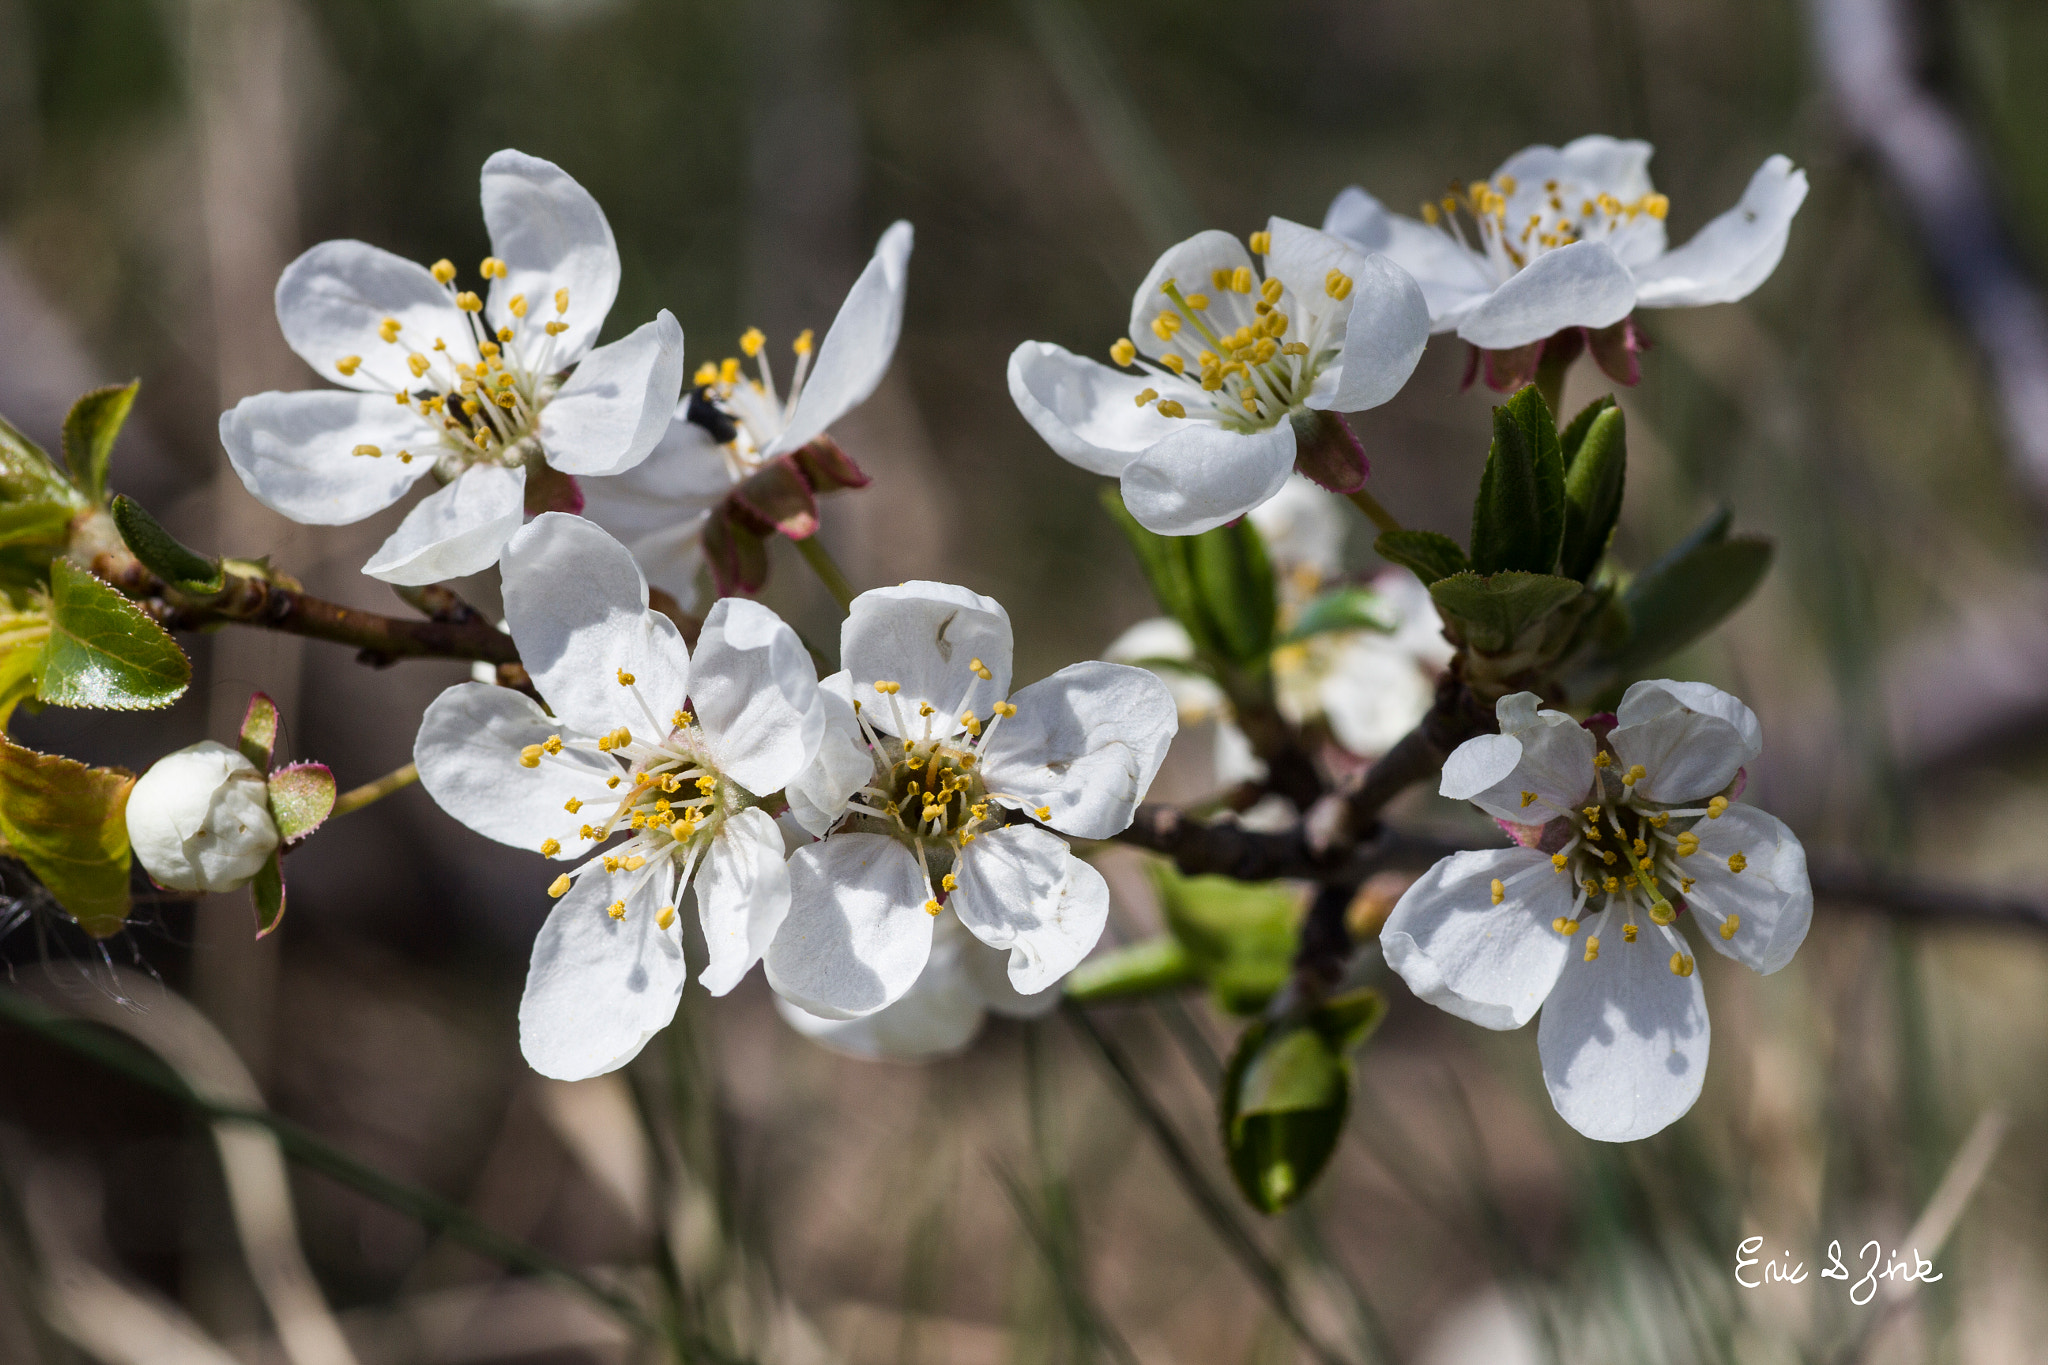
925, 708
1499, 890
1003, 708
617, 910
529, 757
682, 719
555, 329
707, 374
507, 401
550, 847
1736, 862
1528, 800
560, 886
1592, 948
1169, 407
1145, 395
931, 907
1660, 819
634, 863
666, 917
517, 306
418, 364
751, 342
587, 832
1592, 886
1123, 352
1729, 926
1634, 775
1603, 759
1565, 926
573, 804
625, 678
1506, 183
1043, 812
491, 268
1198, 302
611, 865
1337, 285
1656, 205
561, 300
388, 329
1685, 886
468, 302
1557, 862
1607, 856
348, 364
1271, 291
504, 334
1241, 280
612, 781
1688, 844
1174, 363
1165, 325
950, 882
1681, 965
1647, 864
1593, 833
1261, 242
1661, 911
1611, 885
1628, 933
553, 744
1716, 806
367, 451
1431, 213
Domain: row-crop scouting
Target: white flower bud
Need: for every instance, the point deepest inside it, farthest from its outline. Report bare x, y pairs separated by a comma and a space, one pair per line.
199, 819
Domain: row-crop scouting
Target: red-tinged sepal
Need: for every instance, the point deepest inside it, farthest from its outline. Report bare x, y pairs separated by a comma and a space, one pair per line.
1616, 350
259, 731
1326, 450
301, 799
777, 497
736, 554
550, 490
827, 468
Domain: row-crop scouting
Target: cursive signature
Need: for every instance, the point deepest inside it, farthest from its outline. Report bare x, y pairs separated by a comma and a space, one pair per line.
1753, 1271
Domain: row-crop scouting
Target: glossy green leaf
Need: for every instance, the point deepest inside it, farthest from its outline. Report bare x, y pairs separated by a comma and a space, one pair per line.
1679, 600
1518, 517
94, 422
301, 798
1346, 608
266, 889
1598, 462
68, 823
1164, 560
1348, 1020
259, 731
1234, 585
37, 504
1240, 936
103, 652
1431, 554
162, 553
1156, 964
1283, 1101
1494, 614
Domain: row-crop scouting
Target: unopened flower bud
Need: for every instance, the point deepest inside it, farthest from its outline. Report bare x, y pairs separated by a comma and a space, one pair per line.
199, 819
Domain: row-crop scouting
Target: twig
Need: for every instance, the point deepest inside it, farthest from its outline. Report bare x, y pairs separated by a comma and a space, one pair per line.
272, 606
828, 571
357, 797
1922, 902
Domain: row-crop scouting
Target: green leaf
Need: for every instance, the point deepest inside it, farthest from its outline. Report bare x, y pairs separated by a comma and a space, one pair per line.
1518, 518
68, 823
1676, 602
89, 432
1239, 936
1284, 1099
103, 652
259, 730
162, 553
1493, 614
1349, 1019
1164, 560
1573, 436
1348, 608
1592, 490
1430, 554
37, 504
266, 889
301, 798
1156, 964
1234, 585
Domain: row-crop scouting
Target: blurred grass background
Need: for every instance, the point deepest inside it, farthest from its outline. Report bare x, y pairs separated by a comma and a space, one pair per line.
161, 161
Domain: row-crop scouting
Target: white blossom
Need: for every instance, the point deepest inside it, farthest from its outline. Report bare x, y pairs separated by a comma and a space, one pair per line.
199, 819
1615, 840
1571, 236
731, 424
671, 752
925, 751
1227, 366
487, 392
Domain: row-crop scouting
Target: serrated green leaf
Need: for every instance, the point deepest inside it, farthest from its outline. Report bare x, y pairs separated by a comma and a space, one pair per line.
103, 652
1492, 613
162, 553
1164, 560
90, 429
1680, 600
258, 738
1430, 554
301, 798
68, 823
1347, 608
1234, 586
1283, 1102
1518, 517
1156, 964
266, 889
1592, 492
1240, 936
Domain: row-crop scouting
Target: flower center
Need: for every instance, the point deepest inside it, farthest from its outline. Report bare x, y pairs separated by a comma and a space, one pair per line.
1243, 353
482, 390
745, 414
1513, 224
1630, 858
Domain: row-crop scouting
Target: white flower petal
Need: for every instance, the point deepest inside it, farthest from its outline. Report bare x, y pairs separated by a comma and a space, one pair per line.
1772, 893
1596, 161
686, 474
818, 795
1023, 889
937, 1017
856, 351
1624, 1040
199, 819
1491, 964
742, 896
468, 755
1083, 748
295, 452
551, 235
1190, 264
1086, 411
1375, 693
577, 609
1196, 697
1451, 278
755, 691
925, 636
988, 971
1388, 317
1731, 256
1304, 528
332, 301
857, 935
455, 531
1202, 476
1690, 738
1580, 285
617, 406
598, 988
1546, 753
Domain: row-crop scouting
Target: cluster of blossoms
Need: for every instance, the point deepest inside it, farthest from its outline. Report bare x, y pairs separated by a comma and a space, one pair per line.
825, 827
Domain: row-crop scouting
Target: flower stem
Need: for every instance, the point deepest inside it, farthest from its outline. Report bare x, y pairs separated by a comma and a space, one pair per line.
1374, 512
358, 797
827, 569
1550, 373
